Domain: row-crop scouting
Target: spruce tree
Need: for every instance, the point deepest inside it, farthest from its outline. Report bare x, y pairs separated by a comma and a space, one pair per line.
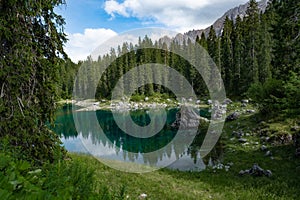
251, 28
237, 39
227, 54
31, 48
264, 56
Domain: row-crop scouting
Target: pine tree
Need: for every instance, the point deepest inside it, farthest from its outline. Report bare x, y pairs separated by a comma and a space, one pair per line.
31, 47
237, 56
250, 65
202, 41
213, 46
265, 49
286, 35
227, 54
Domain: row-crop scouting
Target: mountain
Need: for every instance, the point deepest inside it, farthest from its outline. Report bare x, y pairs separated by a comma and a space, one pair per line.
218, 24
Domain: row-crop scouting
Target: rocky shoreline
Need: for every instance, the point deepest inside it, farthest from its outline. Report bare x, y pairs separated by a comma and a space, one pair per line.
93, 105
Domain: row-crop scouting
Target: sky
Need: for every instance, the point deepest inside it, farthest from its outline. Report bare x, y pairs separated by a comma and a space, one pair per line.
89, 23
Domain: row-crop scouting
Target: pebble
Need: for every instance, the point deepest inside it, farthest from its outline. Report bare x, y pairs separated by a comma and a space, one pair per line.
268, 153
143, 196
242, 140
263, 148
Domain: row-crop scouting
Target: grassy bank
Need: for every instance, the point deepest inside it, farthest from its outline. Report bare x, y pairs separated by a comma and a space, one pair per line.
213, 183
209, 184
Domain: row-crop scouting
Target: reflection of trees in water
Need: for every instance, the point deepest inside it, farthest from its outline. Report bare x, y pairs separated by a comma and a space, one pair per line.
89, 129
64, 123
134, 144
216, 153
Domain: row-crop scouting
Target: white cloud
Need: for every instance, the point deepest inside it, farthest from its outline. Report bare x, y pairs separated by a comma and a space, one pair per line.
112, 7
97, 42
81, 45
180, 15
131, 36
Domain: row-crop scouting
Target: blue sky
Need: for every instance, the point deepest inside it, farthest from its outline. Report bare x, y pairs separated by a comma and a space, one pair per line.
91, 22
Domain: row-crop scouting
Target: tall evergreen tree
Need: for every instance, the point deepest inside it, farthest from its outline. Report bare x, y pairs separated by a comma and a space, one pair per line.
286, 35
202, 41
213, 46
264, 56
237, 56
227, 54
31, 45
251, 27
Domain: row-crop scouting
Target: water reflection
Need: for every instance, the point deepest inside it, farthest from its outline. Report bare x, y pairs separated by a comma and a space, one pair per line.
117, 145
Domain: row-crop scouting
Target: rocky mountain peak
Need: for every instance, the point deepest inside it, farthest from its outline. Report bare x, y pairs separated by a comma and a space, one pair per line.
219, 23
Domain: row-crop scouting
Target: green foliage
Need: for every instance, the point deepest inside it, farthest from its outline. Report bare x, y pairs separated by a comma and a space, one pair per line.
31, 49
256, 92
286, 29
276, 95
67, 73
137, 97
270, 95
292, 92
63, 180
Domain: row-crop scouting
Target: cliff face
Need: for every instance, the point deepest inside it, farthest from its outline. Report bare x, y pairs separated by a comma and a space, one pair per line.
218, 25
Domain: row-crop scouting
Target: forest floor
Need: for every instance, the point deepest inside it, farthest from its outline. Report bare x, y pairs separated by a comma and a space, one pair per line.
266, 141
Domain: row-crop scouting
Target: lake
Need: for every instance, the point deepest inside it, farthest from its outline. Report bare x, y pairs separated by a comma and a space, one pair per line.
104, 138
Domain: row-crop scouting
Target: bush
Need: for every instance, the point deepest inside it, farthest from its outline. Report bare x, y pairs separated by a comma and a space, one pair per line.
292, 91
63, 180
270, 95
137, 98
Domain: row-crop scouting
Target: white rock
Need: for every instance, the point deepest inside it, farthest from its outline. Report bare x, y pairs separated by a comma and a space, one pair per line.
269, 153
143, 196
263, 148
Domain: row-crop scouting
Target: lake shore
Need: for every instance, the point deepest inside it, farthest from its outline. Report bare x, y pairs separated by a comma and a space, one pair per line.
243, 147
93, 105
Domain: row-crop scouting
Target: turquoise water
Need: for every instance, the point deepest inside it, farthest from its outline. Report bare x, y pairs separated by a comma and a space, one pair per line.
106, 140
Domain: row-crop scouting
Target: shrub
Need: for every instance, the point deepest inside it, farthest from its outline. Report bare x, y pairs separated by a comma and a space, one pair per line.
63, 180
270, 95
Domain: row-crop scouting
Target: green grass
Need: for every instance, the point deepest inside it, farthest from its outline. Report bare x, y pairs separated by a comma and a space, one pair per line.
209, 184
